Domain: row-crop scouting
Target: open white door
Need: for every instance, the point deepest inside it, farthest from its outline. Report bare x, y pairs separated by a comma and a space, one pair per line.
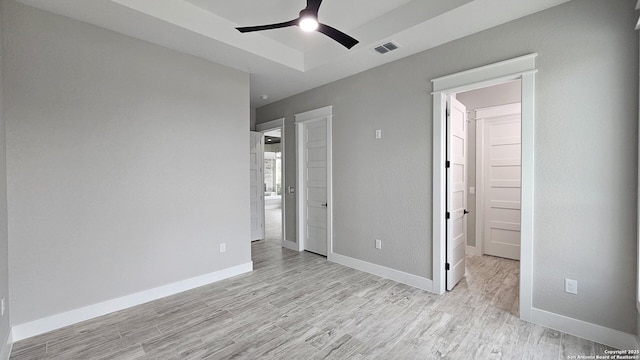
456, 191
500, 130
256, 182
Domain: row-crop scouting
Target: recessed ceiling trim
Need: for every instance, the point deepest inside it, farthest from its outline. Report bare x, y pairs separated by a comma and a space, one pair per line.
193, 18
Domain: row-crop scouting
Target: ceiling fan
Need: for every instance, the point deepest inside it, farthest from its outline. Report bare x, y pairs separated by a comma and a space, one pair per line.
308, 21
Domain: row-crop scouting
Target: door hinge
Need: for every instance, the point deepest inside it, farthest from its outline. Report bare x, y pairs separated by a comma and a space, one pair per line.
447, 266
448, 215
447, 164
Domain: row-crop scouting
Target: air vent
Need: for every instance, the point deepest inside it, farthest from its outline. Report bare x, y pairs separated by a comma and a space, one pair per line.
385, 48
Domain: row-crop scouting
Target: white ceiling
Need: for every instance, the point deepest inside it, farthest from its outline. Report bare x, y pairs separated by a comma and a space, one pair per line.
284, 62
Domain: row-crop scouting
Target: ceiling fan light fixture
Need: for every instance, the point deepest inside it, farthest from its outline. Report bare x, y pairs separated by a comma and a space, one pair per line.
308, 24
307, 21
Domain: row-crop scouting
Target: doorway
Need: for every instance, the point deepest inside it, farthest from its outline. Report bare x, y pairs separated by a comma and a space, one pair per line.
314, 174
494, 167
273, 185
485, 184
274, 180
522, 68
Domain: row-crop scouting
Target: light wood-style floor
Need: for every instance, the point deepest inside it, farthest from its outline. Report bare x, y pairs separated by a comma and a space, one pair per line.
299, 306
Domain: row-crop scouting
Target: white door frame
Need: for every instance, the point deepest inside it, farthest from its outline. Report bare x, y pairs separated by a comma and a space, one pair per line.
263, 128
260, 160
486, 113
300, 121
518, 68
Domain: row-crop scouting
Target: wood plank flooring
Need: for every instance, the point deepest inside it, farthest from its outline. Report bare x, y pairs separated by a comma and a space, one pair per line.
299, 306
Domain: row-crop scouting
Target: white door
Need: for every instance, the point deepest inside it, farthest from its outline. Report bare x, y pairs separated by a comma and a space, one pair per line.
501, 190
456, 191
256, 182
314, 192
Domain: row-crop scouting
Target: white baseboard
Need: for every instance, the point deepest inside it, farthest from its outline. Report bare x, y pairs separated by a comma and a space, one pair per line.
290, 245
382, 271
5, 351
600, 334
472, 250
41, 326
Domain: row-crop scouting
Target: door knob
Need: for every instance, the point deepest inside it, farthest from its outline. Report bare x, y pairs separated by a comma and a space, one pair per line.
323, 204
465, 212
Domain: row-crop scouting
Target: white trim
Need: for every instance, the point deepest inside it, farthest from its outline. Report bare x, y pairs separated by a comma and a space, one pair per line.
300, 120
290, 245
479, 186
260, 234
314, 114
299, 190
480, 77
519, 68
473, 250
603, 335
527, 122
270, 125
329, 185
41, 326
439, 186
265, 127
382, 271
5, 352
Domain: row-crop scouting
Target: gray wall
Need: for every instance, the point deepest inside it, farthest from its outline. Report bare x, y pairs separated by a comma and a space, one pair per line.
4, 244
586, 158
113, 160
502, 94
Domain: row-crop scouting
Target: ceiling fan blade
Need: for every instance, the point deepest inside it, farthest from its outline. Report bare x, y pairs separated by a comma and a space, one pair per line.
267, 27
337, 35
313, 6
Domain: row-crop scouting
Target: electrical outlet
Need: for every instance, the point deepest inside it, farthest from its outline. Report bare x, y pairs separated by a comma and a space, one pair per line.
223, 247
378, 244
571, 286
2, 307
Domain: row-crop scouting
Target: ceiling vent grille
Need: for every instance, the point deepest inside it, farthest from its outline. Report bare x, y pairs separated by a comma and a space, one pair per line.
385, 48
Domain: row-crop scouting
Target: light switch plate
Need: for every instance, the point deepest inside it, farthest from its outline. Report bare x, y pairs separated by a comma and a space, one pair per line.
379, 134
472, 190
571, 286
378, 244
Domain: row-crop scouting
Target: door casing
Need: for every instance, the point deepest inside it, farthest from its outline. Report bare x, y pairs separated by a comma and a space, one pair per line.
266, 127
522, 68
257, 140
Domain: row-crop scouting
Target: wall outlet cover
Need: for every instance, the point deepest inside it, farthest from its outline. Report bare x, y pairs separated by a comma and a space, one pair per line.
378, 244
